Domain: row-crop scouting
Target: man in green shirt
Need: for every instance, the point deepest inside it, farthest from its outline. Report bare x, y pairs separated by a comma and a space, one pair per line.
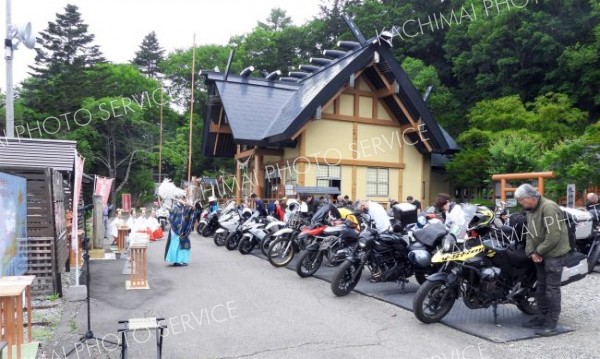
547, 244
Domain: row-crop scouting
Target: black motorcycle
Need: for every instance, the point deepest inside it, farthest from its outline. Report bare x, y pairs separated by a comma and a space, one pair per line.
212, 224
390, 257
494, 271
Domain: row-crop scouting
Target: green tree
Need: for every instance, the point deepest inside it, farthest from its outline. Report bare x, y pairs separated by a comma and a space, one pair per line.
514, 152
277, 20
444, 105
66, 51
66, 43
149, 56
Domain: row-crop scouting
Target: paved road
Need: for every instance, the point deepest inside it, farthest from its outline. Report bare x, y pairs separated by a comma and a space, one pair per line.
225, 305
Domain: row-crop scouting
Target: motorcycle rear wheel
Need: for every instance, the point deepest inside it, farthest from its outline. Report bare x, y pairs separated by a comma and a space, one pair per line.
246, 245
281, 252
220, 239
309, 263
342, 282
432, 291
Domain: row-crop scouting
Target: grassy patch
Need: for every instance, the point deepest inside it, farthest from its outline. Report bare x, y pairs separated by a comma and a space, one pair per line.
42, 334
72, 325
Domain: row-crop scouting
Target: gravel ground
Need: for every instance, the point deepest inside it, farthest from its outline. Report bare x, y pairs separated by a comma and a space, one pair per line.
580, 311
580, 308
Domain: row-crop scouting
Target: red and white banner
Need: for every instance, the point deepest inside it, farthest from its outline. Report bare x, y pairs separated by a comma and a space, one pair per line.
102, 188
126, 201
79, 161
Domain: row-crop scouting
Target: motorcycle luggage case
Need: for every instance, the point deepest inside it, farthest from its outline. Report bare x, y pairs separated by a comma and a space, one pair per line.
575, 267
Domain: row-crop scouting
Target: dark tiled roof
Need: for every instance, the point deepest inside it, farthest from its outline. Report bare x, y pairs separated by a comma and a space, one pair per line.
314, 91
251, 106
268, 113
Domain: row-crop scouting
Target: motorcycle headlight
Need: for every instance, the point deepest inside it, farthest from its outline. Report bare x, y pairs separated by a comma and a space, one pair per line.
365, 240
448, 243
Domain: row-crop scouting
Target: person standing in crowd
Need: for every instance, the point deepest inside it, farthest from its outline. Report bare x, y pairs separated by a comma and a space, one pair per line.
213, 204
302, 198
279, 212
259, 205
310, 202
377, 213
197, 212
414, 202
593, 207
177, 250
546, 246
442, 206
271, 208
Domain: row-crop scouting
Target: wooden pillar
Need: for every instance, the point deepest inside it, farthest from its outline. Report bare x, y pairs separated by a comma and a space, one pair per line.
238, 180
259, 175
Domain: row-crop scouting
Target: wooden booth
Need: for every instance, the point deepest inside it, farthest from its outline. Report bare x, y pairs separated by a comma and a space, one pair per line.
47, 165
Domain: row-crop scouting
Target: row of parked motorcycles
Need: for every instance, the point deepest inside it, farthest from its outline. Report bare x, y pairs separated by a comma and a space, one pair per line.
475, 255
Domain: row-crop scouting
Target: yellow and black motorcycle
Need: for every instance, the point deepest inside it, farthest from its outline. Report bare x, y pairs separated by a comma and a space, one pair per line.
484, 271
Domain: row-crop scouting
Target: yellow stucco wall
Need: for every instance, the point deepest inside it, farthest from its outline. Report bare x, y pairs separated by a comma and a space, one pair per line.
412, 180
365, 106
346, 181
379, 143
291, 152
382, 113
328, 138
346, 105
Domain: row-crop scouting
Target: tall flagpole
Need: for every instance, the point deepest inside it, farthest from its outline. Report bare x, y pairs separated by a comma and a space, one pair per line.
192, 112
161, 136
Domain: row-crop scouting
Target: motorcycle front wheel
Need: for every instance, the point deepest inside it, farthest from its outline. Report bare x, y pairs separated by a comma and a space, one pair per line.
246, 245
233, 240
309, 263
593, 258
208, 231
281, 252
264, 245
220, 239
433, 301
342, 282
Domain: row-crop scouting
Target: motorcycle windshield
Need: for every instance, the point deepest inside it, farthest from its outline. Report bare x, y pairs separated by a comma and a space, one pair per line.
459, 218
322, 214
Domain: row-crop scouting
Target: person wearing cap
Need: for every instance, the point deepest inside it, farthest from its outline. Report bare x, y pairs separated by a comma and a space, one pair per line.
547, 244
213, 205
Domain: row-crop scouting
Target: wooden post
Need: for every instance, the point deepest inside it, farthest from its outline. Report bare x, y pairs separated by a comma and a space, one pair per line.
98, 232
238, 180
259, 174
191, 111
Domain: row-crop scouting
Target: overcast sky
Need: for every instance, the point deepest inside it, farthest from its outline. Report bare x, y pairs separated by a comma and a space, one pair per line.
120, 25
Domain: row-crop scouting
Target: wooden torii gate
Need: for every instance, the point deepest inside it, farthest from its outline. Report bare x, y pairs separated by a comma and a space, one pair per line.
521, 176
